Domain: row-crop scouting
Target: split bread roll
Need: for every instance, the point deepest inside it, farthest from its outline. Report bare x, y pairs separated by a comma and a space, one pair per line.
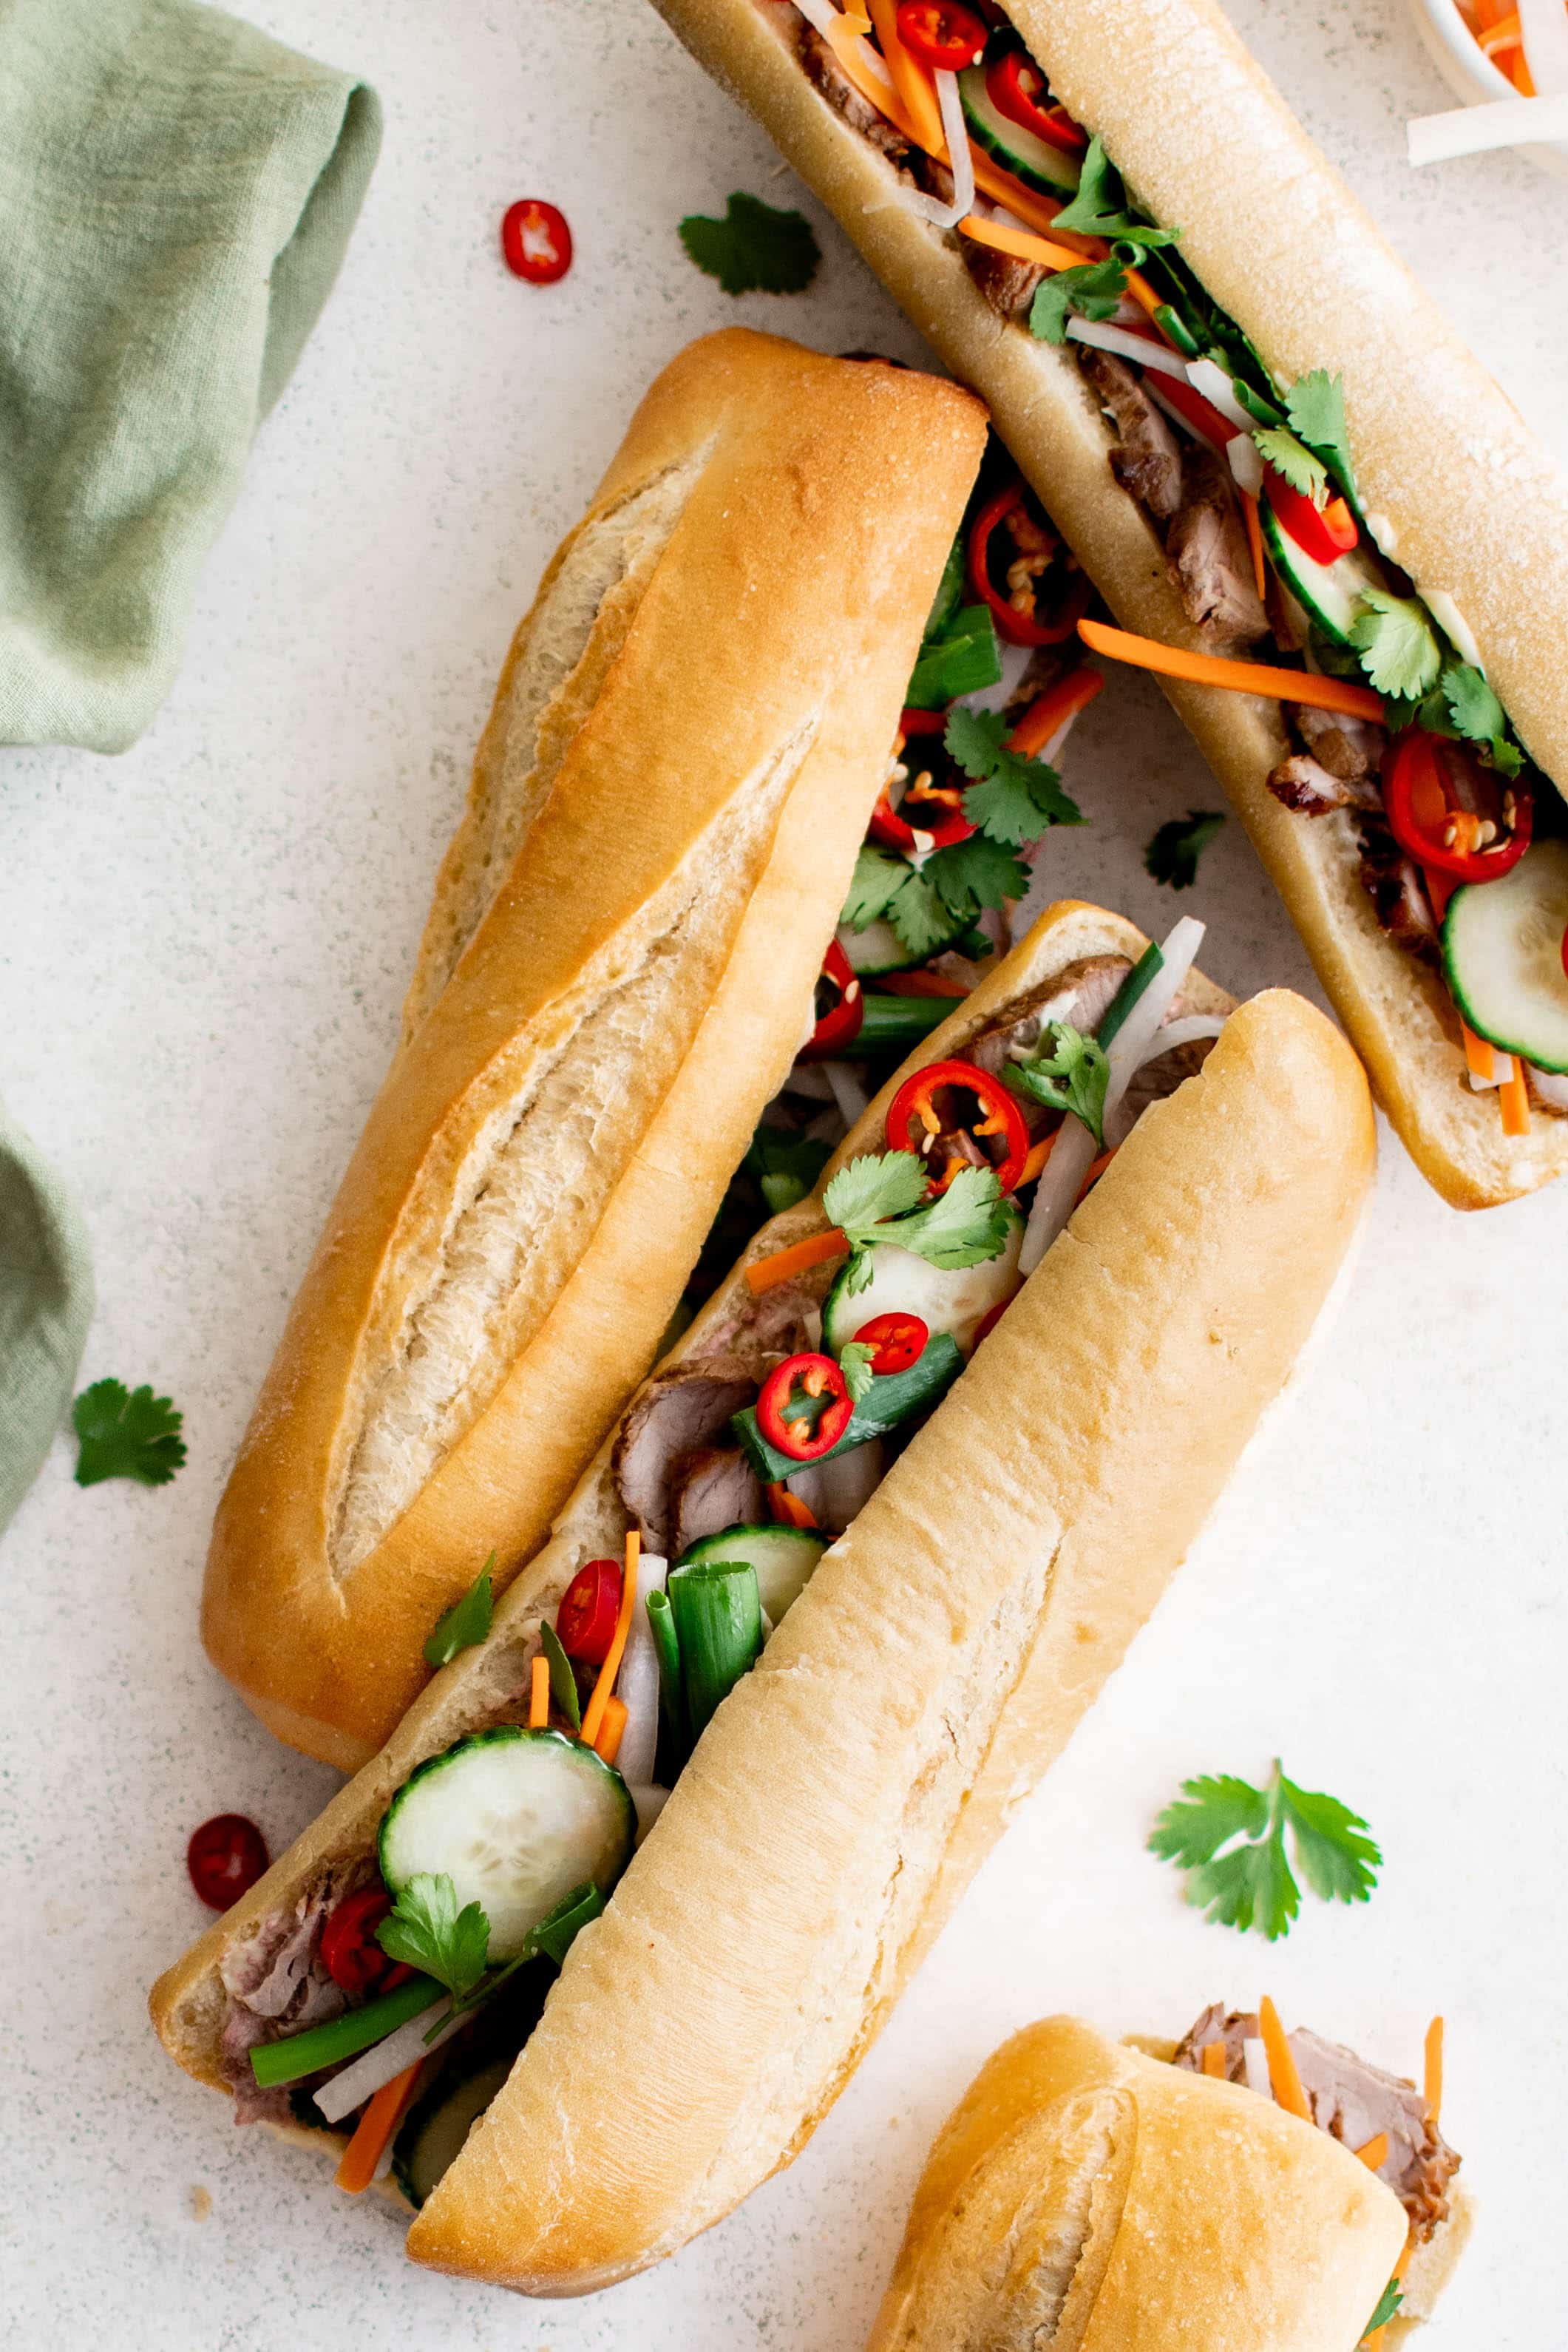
1085, 2197
1474, 505
815, 1841
691, 729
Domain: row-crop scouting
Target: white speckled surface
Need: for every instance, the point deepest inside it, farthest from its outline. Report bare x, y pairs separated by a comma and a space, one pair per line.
203, 947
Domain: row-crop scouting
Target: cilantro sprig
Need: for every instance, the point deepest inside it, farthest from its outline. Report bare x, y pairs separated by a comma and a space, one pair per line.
1388, 2303
428, 1929
1069, 1071
1315, 406
1398, 644
1290, 458
1229, 1839
1013, 798
754, 248
126, 1433
465, 1623
1092, 291
1099, 208
1177, 845
855, 1363
878, 1198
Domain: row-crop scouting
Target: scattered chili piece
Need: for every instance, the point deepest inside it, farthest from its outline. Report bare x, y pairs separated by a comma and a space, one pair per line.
226, 1857
536, 242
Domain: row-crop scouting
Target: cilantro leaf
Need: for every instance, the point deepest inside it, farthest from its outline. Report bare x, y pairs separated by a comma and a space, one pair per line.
855, 1362
922, 915
1473, 707
964, 1226
965, 656
877, 880
1229, 1839
1173, 854
426, 1930
1388, 2303
1396, 644
465, 1623
1294, 461
872, 1189
1092, 292
1315, 406
1014, 798
1071, 1076
126, 1433
754, 248
976, 873
1337, 1862
1100, 208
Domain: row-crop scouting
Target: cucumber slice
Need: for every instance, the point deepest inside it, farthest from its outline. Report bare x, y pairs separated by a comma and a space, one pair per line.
879, 948
783, 1559
952, 1299
1330, 592
1503, 953
1034, 161
437, 2126
516, 1820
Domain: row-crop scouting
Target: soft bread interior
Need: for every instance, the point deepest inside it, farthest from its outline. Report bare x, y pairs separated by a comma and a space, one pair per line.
1215, 2220
1468, 493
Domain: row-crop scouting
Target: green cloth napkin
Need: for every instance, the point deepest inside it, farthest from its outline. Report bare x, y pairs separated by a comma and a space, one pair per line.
176, 192
46, 1305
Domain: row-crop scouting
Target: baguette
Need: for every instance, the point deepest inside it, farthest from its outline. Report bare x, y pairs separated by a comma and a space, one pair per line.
690, 731
1083, 2197
1469, 499
704, 2025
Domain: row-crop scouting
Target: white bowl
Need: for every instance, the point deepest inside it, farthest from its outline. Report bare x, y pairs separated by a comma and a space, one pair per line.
1470, 73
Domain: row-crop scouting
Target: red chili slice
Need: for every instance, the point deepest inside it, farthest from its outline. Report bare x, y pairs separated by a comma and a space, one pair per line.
536, 242
1431, 787
585, 1620
931, 813
932, 1103
940, 34
804, 1408
1018, 626
838, 1024
1015, 86
226, 1857
350, 1952
898, 1339
1326, 533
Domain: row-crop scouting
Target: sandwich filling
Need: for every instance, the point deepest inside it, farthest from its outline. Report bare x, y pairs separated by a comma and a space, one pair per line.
392, 1996
1399, 746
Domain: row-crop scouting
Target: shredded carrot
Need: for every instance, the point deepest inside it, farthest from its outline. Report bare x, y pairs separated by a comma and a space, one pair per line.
1018, 243
1038, 1154
1038, 211
920, 983
1373, 2151
910, 79
1053, 709
1144, 296
1214, 2059
375, 2129
1299, 686
538, 1692
1434, 2071
608, 1743
1096, 1169
789, 1510
852, 51
815, 1250
1284, 2081
1513, 1097
1255, 542
1481, 1059
593, 1714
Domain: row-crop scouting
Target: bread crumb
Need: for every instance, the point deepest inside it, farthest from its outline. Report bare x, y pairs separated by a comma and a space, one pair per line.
200, 2202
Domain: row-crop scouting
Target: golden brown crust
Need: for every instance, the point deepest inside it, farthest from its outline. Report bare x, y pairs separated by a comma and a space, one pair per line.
1440, 452
733, 747
1214, 2219
696, 2036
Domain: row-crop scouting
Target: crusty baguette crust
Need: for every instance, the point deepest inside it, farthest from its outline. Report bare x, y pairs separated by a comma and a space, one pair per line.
734, 745
1279, 240
1227, 2223
717, 2041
